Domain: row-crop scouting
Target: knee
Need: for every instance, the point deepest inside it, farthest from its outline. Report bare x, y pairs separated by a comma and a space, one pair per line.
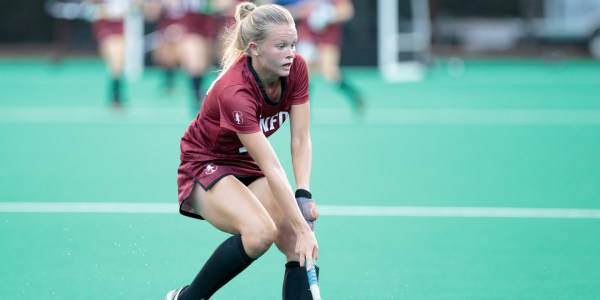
286, 241
258, 238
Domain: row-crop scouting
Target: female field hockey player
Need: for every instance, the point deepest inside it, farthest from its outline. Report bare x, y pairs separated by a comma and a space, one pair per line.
230, 175
320, 33
108, 28
187, 30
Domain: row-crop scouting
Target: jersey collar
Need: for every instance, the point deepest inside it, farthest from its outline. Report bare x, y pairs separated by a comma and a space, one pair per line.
262, 89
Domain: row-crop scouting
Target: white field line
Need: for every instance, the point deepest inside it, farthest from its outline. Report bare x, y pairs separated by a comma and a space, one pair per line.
459, 116
460, 212
325, 210
88, 207
93, 115
320, 116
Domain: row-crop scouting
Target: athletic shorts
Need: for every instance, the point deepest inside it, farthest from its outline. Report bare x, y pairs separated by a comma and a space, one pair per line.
190, 23
206, 174
105, 28
331, 35
204, 24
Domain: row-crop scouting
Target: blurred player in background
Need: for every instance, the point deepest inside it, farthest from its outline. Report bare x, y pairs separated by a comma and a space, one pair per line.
225, 15
64, 13
320, 31
187, 30
108, 26
230, 175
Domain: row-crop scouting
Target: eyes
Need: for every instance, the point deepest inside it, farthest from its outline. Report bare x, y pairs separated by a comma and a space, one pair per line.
282, 46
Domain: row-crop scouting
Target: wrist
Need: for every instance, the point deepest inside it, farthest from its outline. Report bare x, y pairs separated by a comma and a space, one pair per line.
303, 193
307, 206
301, 226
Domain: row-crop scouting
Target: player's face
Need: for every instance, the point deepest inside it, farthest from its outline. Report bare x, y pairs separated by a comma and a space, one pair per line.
277, 52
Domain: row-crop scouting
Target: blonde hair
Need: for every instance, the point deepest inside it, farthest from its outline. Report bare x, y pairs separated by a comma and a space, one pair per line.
252, 24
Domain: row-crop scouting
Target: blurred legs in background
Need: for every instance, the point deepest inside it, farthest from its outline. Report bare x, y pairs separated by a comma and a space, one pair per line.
186, 41
111, 43
320, 39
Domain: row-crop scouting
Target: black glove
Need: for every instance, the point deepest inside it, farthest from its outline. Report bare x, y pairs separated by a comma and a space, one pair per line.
307, 207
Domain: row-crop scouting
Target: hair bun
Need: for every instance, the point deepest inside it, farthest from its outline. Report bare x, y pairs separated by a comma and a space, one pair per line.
243, 10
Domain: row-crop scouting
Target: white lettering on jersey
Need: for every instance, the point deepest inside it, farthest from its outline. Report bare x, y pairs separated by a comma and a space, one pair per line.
267, 124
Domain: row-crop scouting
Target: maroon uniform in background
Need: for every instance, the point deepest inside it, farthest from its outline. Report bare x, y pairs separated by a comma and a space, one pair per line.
235, 103
226, 18
109, 20
331, 34
104, 28
185, 16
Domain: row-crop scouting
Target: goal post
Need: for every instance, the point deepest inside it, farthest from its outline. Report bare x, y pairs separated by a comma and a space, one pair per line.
134, 45
404, 35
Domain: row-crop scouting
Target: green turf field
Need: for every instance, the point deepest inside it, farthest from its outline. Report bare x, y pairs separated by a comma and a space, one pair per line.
480, 185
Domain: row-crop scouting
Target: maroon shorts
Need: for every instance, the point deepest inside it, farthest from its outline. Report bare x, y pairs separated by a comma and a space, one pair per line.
190, 23
206, 174
105, 28
224, 22
204, 24
331, 35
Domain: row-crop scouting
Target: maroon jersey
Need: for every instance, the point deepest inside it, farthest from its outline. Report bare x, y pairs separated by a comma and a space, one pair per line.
235, 103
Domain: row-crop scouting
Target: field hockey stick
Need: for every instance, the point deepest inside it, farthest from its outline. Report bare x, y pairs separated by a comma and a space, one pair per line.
313, 283
310, 214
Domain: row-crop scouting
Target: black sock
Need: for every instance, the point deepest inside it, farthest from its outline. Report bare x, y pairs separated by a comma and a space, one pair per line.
351, 92
196, 87
116, 90
169, 78
295, 282
228, 260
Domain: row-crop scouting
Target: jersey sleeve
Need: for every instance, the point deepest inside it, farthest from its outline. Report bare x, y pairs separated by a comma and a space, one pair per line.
300, 87
238, 110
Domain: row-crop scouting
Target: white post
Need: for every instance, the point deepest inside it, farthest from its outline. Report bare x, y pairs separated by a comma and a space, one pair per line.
134, 45
392, 42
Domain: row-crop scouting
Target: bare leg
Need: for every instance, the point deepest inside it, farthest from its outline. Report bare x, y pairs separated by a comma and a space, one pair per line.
195, 53
231, 207
329, 65
112, 49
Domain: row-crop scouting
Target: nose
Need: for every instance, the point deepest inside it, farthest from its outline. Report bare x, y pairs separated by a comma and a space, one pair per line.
291, 53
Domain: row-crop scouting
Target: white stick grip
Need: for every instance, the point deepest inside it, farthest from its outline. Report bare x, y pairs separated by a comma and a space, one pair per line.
313, 283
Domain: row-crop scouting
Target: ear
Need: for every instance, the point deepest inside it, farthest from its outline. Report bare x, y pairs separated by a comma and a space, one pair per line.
253, 47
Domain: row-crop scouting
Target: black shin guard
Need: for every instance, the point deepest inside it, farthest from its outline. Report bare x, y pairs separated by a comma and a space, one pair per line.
228, 260
116, 90
295, 282
169, 79
351, 93
196, 87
